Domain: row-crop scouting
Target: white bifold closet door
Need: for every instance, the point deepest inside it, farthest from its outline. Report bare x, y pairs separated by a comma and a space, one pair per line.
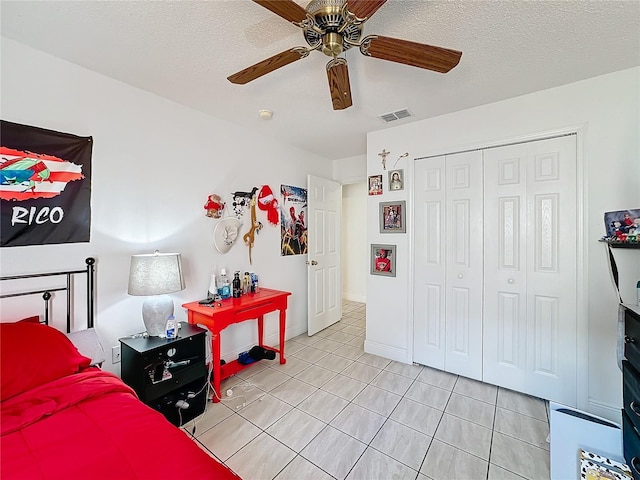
530, 268
448, 263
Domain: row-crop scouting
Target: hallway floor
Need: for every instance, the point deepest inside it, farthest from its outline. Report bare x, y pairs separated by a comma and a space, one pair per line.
335, 412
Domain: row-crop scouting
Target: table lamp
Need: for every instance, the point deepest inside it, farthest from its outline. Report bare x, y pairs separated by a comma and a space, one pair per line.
155, 275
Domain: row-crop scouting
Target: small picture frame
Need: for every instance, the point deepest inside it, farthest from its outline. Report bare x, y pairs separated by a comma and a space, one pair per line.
383, 260
392, 217
375, 185
396, 180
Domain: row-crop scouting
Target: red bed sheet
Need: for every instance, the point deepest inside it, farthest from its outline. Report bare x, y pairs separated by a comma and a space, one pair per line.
91, 425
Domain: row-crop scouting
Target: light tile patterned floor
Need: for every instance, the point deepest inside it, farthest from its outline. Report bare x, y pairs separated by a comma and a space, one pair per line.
335, 412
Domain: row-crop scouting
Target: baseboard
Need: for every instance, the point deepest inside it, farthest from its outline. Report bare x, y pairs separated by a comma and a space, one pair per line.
386, 351
604, 410
354, 297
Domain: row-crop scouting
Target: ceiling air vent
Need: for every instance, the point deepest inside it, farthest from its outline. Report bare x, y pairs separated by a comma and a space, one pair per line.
390, 117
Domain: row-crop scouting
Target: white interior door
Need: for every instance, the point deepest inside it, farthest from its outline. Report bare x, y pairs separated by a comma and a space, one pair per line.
430, 264
505, 250
449, 268
464, 272
324, 200
530, 268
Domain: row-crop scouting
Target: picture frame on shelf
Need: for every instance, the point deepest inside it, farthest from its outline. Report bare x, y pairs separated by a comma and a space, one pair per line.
392, 217
396, 180
375, 185
383, 260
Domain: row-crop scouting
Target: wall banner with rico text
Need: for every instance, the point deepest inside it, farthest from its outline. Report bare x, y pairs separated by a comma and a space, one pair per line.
45, 186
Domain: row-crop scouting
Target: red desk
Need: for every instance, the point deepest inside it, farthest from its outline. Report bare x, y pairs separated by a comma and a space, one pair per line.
252, 306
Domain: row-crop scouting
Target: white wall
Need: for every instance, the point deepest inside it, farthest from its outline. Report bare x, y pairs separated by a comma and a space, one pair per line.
606, 108
355, 266
154, 164
350, 169
351, 172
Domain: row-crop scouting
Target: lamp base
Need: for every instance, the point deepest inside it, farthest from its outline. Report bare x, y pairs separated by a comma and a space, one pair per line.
155, 312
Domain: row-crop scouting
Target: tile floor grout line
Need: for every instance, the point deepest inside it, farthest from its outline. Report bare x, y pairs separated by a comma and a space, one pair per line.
380, 366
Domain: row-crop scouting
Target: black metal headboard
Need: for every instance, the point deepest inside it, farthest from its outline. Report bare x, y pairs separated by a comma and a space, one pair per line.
68, 288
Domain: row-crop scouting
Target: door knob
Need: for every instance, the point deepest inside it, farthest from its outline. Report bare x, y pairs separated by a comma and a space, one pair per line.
313, 262
511, 281
460, 275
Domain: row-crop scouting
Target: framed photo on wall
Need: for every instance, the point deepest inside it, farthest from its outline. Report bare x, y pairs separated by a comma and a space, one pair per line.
383, 260
396, 180
375, 185
392, 217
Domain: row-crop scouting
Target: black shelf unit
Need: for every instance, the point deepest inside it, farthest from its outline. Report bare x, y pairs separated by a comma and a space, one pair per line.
621, 244
631, 391
164, 372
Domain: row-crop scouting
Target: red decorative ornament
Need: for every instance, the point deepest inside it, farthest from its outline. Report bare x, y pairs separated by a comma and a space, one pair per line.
214, 206
267, 201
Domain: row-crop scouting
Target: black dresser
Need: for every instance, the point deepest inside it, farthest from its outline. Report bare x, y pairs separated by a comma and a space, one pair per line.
631, 390
169, 375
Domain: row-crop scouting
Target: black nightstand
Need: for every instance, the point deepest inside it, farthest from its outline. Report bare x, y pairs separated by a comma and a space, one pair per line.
168, 374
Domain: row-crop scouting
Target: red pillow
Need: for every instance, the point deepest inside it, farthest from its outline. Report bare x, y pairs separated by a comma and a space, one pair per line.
32, 354
34, 319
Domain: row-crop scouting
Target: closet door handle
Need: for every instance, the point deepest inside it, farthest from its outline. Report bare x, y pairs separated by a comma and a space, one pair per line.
511, 281
460, 275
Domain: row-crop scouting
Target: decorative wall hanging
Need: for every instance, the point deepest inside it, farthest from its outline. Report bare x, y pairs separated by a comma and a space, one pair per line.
375, 185
384, 155
226, 233
214, 206
396, 180
267, 201
249, 237
383, 260
392, 217
293, 227
45, 186
242, 200
405, 154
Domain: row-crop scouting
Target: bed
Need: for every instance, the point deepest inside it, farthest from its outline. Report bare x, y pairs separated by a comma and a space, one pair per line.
62, 417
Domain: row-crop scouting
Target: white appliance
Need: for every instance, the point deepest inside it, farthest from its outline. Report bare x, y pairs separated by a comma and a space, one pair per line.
572, 430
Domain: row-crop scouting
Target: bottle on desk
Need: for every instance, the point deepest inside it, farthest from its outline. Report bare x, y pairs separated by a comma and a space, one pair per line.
237, 285
254, 283
224, 289
172, 327
213, 287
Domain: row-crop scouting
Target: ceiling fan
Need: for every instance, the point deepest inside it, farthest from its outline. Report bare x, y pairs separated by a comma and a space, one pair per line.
334, 26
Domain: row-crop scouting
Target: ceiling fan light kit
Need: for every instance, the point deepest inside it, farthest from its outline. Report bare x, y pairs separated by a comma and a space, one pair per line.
333, 27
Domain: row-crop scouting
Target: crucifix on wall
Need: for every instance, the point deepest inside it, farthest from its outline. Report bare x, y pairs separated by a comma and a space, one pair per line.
384, 154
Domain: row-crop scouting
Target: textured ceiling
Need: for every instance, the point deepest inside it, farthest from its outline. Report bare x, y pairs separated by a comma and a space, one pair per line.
184, 50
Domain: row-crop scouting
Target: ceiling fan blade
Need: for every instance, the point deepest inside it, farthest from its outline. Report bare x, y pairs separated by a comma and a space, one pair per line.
268, 65
415, 54
338, 76
287, 9
364, 8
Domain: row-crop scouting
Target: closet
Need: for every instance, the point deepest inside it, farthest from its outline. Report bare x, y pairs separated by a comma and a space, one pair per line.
448, 263
495, 266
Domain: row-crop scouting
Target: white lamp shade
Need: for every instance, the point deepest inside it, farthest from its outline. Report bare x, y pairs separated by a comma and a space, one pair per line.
155, 274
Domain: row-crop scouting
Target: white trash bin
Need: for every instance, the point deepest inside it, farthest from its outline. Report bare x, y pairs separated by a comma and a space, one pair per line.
572, 430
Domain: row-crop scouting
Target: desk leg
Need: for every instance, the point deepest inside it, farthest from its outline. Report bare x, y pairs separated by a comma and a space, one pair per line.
215, 349
283, 327
261, 330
